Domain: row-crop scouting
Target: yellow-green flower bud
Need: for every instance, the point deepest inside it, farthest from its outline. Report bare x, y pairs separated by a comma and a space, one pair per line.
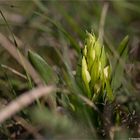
90, 40
91, 58
98, 48
106, 72
85, 74
95, 71
85, 51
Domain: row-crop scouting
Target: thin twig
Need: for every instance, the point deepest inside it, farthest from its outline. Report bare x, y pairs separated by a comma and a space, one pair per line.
13, 71
102, 21
24, 100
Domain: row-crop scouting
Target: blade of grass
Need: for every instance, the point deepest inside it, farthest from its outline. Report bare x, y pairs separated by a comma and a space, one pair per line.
40, 5
8, 28
43, 68
71, 21
71, 39
118, 69
16, 45
9, 82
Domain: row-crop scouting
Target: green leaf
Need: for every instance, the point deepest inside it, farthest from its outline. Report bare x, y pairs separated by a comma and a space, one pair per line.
118, 69
103, 58
95, 72
78, 76
41, 66
123, 45
110, 95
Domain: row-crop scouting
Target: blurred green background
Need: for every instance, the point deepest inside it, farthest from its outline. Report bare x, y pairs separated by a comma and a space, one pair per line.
60, 25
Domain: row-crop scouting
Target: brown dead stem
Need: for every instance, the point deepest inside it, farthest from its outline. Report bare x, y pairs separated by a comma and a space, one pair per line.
24, 100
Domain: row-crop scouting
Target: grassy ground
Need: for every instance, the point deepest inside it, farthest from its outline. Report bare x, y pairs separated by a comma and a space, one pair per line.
46, 97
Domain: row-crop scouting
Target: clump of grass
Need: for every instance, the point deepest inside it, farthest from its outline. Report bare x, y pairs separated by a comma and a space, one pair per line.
98, 86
